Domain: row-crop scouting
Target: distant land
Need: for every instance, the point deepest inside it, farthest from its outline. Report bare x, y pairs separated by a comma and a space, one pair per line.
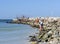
5, 20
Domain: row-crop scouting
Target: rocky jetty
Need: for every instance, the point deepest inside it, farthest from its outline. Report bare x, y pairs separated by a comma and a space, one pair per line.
51, 32
28, 21
49, 35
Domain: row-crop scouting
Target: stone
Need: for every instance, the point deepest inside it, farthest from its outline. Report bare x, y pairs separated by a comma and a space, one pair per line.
34, 42
55, 41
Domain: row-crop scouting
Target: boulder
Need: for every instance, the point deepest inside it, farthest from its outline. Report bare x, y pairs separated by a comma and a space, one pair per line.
54, 41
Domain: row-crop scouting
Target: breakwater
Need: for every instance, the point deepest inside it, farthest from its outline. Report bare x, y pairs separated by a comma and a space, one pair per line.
51, 32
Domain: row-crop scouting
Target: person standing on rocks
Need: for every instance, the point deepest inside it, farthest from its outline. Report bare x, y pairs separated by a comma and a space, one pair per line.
36, 20
40, 25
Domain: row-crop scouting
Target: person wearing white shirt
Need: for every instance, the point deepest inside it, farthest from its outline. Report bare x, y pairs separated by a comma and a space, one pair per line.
40, 25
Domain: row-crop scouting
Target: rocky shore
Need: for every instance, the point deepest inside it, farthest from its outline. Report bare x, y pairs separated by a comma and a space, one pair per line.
49, 35
51, 32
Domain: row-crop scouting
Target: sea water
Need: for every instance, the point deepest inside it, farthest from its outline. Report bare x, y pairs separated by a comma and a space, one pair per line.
15, 33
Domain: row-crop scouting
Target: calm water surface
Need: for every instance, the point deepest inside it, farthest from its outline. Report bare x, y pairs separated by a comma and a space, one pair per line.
15, 33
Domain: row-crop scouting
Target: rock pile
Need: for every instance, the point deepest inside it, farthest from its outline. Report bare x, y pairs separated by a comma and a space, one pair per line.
51, 33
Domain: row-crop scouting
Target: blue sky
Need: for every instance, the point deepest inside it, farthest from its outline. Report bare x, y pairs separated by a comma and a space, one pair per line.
31, 8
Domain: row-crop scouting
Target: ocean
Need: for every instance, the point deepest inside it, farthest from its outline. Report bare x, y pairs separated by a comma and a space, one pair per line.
15, 33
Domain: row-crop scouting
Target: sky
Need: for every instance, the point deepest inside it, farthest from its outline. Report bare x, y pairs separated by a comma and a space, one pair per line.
29, 8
